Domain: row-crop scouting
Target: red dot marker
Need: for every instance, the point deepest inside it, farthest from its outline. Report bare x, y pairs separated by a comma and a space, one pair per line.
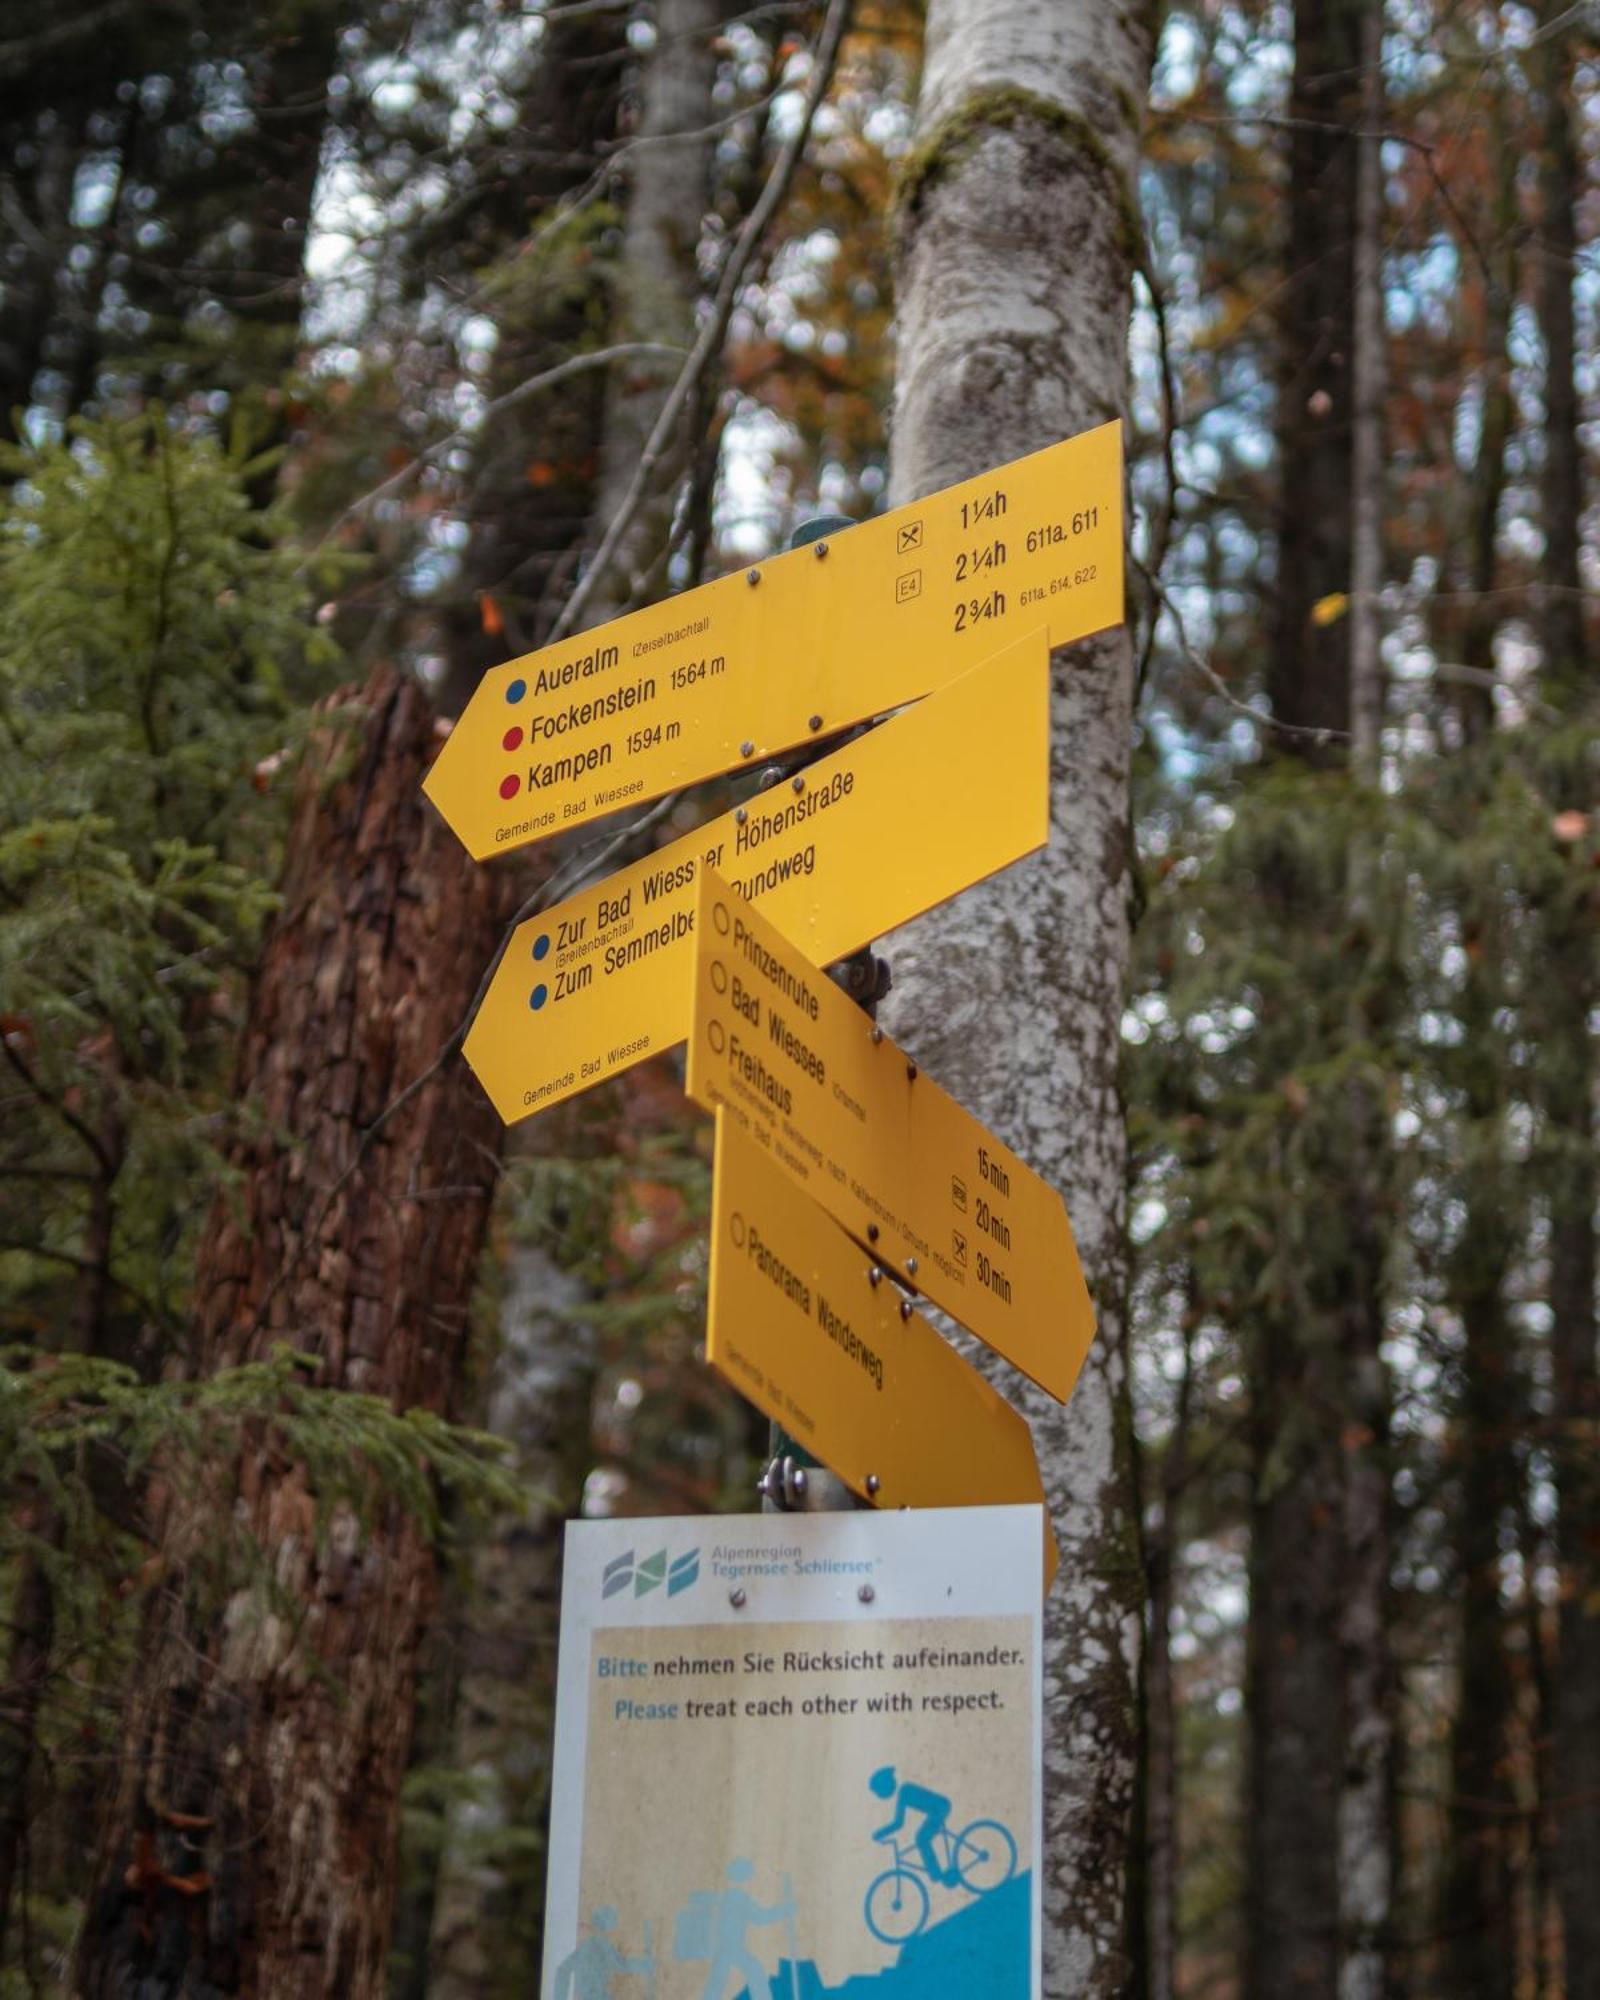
512, 740
509, 787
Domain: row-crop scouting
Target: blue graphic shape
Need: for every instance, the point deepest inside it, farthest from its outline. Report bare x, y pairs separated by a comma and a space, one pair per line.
982, 1951
516, 691
617, 1575
541, 945
714, 1926
588, 1972
650, 1573
980, 1859
684, 1571
539, 995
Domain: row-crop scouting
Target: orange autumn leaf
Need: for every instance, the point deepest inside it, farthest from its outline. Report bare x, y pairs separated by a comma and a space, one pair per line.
489, 612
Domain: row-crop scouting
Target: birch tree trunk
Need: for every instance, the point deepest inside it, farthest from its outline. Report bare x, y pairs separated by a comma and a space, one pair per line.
1018, 217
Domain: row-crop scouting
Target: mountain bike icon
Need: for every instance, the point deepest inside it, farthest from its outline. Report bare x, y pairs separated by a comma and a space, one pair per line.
979, 1858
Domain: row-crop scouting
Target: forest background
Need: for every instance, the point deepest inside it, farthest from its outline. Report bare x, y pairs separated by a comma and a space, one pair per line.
361, 344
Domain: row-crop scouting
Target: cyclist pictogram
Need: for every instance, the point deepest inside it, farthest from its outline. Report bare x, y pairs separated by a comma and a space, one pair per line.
978, 1858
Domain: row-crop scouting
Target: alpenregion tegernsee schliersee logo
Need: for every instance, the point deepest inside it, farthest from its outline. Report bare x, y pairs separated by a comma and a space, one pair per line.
644, 1574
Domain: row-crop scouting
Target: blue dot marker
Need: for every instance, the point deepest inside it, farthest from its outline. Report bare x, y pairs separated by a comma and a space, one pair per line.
516, 691
541, 945
538, 997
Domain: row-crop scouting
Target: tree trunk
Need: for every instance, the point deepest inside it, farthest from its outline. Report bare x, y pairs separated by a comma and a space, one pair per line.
489, 1906
1570, 991
666, 207
1017, 222
248, 1845
1366, 1831
1478, 1915
1561, 180
265, 292
533, 486
31, 1614
1302, 1351
1161, 1703
1295, 1677
1308, 675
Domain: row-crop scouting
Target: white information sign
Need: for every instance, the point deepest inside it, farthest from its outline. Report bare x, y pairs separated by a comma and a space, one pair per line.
798, 1758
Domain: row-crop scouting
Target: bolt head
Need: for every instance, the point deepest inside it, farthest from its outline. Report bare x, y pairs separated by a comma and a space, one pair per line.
911, 1072
821, 549
874, 1276
911, 1266
816, 722
752, 577
800, 1480
736, 1597
905, 1309
877, 1036
747, 749
873, 1482
799, 784
872, 1232
866, 1593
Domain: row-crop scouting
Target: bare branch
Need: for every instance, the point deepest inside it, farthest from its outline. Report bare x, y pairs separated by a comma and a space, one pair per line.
712, 334
535, 385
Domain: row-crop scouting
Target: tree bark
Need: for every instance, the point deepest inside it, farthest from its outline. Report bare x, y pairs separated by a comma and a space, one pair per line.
1570, 993
1313, 1356
532, 494
1161, 1702
1017, 223
1369, 377
1308, 673
488, 1911
248, 1844
666, 206
1366, 1827
1478, 1918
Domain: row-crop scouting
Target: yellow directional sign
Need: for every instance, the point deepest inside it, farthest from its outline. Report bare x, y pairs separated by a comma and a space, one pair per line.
797, 1325
796, 1064
796, 647
923, 806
